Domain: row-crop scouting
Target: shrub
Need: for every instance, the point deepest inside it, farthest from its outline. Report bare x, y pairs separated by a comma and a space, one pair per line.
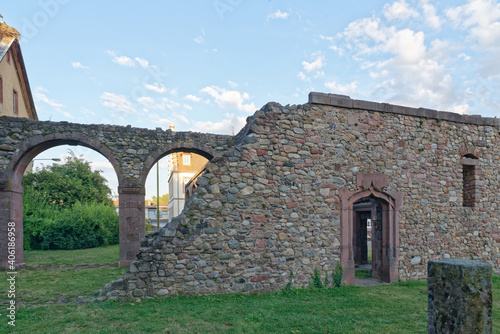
81, 226
338, 272
316, 279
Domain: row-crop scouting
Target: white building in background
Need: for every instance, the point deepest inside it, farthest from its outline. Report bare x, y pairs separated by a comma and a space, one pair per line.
182, 167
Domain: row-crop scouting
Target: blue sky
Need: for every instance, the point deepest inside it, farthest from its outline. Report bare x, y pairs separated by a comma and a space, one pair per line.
207, 65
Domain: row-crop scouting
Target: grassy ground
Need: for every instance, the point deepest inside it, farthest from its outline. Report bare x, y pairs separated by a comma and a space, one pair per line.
52, 303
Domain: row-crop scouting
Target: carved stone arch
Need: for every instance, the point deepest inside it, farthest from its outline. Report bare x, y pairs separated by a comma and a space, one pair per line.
371, 186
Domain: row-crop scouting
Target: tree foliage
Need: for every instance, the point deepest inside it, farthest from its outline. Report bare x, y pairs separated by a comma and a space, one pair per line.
68, 207
69, 183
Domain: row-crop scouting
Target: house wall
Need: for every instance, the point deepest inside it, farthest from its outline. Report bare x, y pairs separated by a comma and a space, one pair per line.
272, 206
11, 82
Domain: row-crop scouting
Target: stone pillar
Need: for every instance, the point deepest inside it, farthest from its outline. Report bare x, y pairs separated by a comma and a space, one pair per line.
11, 216
132, 223
459, 297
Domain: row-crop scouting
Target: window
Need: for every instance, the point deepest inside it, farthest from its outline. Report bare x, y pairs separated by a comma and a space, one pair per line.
1, 89
186, 160
8, 56
470, 177
15, 103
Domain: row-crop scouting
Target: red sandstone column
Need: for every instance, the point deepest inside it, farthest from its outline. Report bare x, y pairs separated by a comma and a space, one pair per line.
132, 223
11, 220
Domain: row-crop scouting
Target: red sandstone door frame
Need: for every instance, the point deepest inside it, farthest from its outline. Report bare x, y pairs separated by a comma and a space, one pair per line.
371, 185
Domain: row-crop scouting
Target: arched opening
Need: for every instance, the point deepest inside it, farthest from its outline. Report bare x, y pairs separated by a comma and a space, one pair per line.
179, 168
12, 190
370, 202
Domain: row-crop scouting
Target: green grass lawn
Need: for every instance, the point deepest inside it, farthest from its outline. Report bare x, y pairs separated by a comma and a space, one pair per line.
52, 304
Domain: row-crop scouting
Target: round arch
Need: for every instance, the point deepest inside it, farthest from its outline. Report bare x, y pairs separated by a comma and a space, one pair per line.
370, 186
165, 150
11, 192
29, 149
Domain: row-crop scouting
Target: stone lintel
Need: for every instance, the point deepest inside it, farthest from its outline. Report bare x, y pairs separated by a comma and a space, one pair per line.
345, 101
469, 162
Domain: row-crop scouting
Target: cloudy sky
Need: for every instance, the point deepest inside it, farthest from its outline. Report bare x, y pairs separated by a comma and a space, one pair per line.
207, 65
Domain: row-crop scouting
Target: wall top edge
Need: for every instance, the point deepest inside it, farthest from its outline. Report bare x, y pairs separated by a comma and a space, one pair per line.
344, 101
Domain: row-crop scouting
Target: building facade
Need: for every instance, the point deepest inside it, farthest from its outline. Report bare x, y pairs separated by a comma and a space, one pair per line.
15, 94
182, 167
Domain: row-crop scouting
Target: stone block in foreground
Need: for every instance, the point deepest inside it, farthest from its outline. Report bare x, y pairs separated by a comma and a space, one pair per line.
459, 297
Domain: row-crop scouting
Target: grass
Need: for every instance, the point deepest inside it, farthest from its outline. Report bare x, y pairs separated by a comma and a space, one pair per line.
52, 304
78, 257
363, 273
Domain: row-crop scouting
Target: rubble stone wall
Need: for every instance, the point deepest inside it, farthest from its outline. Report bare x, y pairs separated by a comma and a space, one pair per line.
270, 206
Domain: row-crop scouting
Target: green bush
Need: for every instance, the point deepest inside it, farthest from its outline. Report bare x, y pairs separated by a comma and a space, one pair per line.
81, 226
67, 207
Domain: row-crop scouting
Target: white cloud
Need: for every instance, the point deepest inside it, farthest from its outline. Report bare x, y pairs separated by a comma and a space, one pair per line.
399, 10
193, 98
146, 100
278, 15
121, 60
303, 77
143, 62
232, 124
117, 102
232, 84
156, 87
161, 104
430, 16
198, 39
342, 89
315, 65
40, 95
229, 98
79, 66
481, 18
180, 117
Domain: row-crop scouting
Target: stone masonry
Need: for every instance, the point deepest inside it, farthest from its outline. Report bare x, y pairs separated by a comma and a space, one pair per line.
131, 151
282, 199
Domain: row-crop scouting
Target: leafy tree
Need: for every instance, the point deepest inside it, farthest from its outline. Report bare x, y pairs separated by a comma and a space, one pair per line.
163, 199
68, 183
68, 207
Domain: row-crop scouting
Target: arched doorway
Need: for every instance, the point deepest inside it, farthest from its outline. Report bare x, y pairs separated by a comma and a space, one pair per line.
382, 208
11, 190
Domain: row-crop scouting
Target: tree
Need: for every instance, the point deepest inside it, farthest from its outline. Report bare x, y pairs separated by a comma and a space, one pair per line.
68, 206
163, 200
68, 183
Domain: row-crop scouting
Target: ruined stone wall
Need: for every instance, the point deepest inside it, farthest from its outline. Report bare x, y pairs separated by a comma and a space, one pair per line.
271, 205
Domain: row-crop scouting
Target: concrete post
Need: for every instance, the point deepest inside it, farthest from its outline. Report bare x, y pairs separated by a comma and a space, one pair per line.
132, 223
459, 297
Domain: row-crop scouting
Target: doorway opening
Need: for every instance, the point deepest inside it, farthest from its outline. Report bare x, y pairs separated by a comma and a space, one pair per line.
369, 226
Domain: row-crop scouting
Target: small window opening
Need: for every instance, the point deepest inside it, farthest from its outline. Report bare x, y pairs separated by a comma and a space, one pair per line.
470, 178
15, 103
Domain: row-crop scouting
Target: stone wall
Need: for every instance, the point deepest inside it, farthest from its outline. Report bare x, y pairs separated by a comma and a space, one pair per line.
131, 151
272, 204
